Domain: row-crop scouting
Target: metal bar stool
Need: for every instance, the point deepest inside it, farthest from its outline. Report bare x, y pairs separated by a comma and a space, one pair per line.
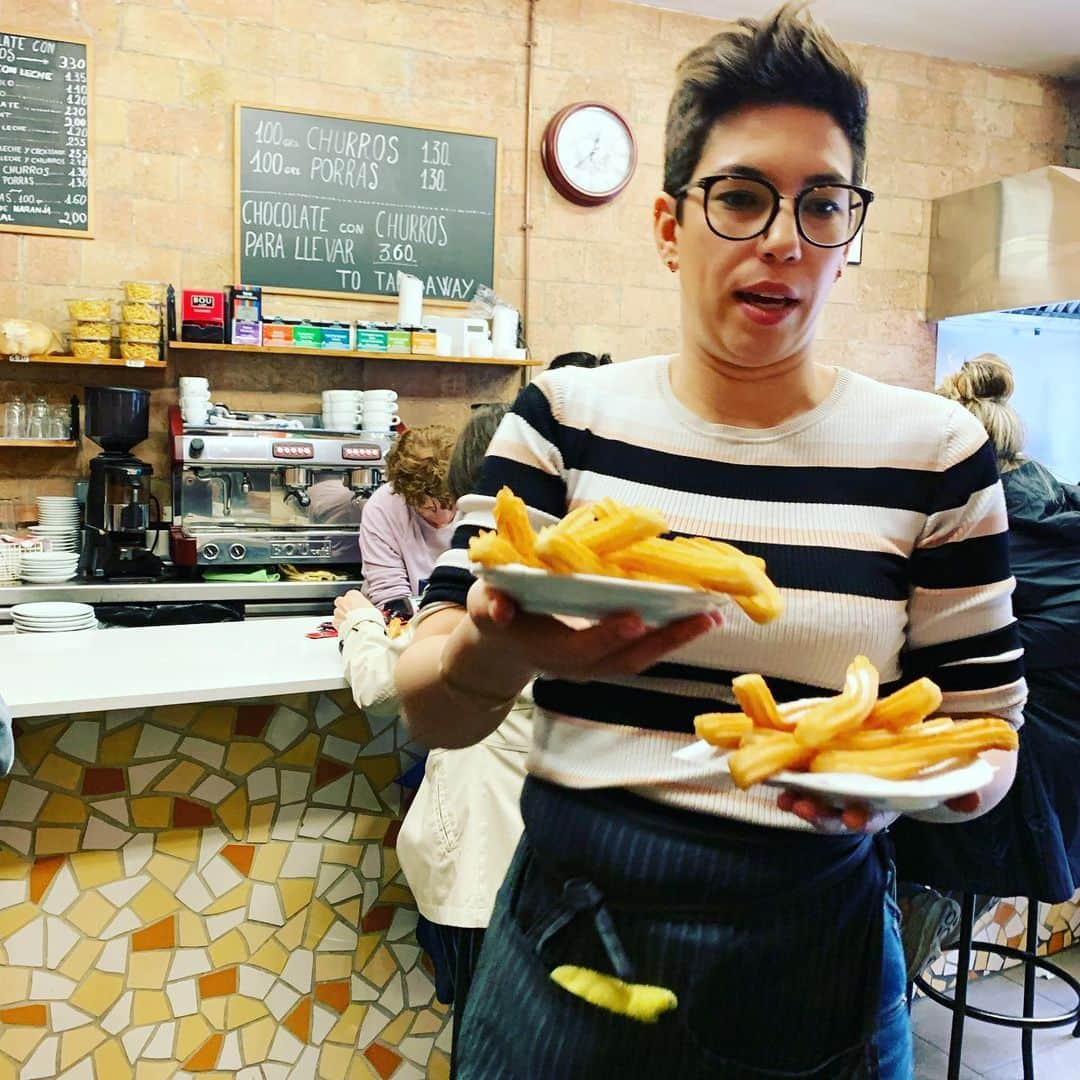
1027, 1022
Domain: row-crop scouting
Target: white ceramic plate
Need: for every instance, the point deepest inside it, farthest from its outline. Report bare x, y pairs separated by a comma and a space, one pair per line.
52, 609
43, 620
35, 621
929, 789
591, 597
48, 628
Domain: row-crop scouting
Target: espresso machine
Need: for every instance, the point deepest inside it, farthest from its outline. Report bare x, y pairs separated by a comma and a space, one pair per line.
257, 489
117, 517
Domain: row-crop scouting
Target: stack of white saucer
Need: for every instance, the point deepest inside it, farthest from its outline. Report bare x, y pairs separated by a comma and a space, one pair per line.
52, 618
48, 567
58, 522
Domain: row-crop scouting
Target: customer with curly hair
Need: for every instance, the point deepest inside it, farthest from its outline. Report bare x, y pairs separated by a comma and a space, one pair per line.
408, 523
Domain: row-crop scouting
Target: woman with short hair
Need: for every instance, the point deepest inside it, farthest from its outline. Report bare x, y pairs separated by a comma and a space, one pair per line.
728, 935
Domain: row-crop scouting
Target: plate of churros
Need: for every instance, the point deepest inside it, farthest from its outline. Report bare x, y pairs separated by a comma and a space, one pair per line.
893, 752
604, 558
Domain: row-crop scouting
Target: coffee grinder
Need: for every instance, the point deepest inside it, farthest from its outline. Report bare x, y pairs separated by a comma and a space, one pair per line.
117, 515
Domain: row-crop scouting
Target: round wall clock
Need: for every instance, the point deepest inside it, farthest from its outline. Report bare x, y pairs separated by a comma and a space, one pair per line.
589, 153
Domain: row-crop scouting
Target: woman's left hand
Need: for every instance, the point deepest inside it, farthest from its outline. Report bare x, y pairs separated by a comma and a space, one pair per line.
855, 816
349, 602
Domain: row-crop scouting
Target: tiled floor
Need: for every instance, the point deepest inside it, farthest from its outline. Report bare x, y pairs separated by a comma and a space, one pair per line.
991, 1052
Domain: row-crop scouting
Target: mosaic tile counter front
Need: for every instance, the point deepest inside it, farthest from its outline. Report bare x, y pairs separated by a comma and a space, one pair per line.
211, 890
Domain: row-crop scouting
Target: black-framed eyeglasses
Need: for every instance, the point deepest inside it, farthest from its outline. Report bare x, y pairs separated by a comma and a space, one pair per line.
742, 207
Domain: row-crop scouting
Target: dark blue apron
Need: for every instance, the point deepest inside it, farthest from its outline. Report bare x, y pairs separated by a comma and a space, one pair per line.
771, 940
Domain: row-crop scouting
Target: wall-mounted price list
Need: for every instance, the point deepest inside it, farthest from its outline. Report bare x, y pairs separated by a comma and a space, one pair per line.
337, 205
44, 135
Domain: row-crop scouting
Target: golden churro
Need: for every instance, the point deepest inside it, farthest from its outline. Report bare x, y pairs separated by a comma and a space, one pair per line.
837, 734
843, 713
723, 729
908, 757
613, 540
908, 705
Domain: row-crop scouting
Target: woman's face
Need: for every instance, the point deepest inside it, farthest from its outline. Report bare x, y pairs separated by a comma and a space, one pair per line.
723, 282
435, 513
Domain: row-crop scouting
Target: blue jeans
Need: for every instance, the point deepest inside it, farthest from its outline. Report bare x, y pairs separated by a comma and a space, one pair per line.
893, 1038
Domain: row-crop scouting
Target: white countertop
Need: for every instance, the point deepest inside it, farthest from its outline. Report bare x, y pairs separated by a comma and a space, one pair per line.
52, 674
120, 592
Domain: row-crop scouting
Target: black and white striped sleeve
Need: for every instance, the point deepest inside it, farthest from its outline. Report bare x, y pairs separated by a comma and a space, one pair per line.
961, 628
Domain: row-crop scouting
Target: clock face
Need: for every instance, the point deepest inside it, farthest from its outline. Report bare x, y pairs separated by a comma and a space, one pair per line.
589, 153
595, 150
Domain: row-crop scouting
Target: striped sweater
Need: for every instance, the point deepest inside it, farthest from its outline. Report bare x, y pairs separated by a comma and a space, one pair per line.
879, 514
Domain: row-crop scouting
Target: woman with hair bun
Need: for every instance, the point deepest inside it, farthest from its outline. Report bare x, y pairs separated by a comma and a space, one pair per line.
983, 386
1029, 844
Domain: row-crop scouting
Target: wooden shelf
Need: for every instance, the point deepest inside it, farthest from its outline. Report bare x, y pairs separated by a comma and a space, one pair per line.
112, 361
41, 444
283, 350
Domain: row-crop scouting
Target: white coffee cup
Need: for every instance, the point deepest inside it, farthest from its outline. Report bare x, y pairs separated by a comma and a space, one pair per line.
380, 397
340, 396
196, 413
380, 421
193, 382
193, 394
341, 421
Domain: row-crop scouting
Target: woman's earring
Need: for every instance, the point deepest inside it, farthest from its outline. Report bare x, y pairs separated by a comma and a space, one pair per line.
673, 265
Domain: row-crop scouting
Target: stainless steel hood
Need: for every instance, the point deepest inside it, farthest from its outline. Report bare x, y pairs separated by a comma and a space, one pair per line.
1013, 245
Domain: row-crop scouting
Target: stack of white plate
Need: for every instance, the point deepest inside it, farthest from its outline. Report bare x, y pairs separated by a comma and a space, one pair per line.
48, 567
58, 521
53, 618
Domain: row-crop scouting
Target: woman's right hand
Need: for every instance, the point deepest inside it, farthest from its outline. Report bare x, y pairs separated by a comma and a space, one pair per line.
350, 601
617, 645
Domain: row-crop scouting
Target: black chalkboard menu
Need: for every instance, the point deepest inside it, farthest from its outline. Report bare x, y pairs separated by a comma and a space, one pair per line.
44, 135
337, 205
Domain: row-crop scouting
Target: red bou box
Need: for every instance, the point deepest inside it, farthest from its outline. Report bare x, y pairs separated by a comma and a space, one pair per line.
203, 306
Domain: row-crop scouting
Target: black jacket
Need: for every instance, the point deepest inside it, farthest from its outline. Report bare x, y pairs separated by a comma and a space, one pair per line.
1029, 844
